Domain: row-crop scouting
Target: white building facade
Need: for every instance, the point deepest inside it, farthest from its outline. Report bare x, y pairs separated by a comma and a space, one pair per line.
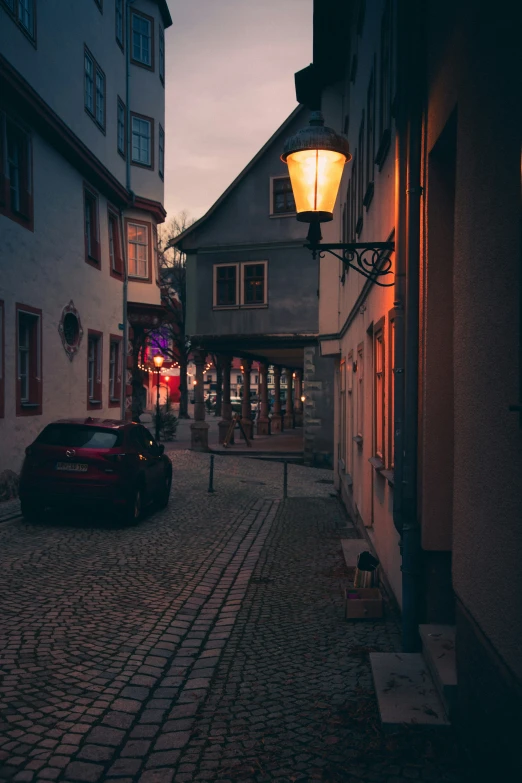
82, 146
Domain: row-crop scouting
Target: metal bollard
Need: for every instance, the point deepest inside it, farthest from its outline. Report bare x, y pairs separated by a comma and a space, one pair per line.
211, 475
285, 478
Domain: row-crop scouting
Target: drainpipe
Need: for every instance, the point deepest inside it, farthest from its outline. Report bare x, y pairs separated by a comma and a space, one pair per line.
406, 376
128, 185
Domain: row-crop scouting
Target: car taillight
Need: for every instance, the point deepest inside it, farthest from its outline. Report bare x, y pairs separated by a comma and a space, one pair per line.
115, 457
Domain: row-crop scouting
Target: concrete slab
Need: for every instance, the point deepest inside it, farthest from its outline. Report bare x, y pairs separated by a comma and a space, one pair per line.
352, 548
438, 648
405, 690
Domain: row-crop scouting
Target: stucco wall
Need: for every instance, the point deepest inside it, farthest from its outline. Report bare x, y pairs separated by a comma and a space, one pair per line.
292, 294
45, 269
487, 500
55, 70
366, 492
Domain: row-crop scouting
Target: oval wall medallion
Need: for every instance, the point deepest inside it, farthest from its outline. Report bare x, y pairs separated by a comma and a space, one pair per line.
70, 329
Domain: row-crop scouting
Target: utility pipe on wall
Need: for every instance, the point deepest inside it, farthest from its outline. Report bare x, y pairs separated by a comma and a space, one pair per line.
128, 185
407, 335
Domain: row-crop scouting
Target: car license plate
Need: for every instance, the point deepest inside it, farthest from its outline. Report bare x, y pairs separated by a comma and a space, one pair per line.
73, 467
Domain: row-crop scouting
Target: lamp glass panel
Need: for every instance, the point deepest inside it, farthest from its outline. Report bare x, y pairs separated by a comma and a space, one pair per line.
315, 176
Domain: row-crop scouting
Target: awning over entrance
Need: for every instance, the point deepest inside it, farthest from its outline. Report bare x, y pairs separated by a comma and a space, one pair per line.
280, 350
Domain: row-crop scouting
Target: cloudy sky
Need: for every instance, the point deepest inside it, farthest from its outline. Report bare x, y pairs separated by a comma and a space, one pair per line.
230, 84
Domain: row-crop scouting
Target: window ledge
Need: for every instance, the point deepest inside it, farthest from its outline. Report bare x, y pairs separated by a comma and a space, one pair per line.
253, 306
282, 214
358, 439
94, 402
384, 147
377, 464
112, 399
225, 307
389, 476
368, 196
30, 404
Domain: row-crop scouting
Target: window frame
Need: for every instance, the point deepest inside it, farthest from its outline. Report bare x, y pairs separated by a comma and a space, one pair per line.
116, 264
24, 213
32, 406
150, 120
121, 106
360, 394
14, 13
95, 402
115, 397
349, 412
391, 388
253, 305
385, 84
92, 196
150, 20
342, 450
155, 255
369, 170
360, 178
137, 222
121, 43
161, 152
379, 391
161, 54
96, 69
217, 306
273, 213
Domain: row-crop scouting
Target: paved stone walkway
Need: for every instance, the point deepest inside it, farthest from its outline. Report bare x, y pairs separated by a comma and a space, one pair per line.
207, 643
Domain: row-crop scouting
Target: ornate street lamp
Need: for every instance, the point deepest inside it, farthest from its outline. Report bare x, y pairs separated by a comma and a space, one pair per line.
316, 157
158, 364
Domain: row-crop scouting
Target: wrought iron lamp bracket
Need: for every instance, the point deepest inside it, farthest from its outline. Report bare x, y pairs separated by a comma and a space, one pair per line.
370, 259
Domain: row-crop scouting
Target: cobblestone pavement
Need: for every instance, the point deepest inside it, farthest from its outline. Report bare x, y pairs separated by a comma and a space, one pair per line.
207, 643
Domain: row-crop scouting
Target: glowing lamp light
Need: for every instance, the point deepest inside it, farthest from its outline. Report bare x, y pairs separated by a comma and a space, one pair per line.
158, 361
316, 156
303, 398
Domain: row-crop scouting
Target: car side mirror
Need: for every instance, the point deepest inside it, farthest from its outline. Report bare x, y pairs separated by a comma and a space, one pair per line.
161, 449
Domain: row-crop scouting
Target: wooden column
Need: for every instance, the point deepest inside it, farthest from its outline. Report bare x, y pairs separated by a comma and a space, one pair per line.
289, 415
276, 421
246, 408
226, 407
199, 427
263, 422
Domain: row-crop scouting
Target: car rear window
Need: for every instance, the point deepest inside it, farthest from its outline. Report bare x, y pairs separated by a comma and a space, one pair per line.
80, 437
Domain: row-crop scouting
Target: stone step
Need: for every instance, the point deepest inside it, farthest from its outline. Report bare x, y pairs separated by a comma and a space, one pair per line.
405, 691
438, 648
352, 548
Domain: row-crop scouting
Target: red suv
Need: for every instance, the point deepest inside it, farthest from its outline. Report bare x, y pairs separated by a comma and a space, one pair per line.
114, 464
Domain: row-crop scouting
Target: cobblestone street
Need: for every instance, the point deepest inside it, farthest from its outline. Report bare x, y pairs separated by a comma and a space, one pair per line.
205, 644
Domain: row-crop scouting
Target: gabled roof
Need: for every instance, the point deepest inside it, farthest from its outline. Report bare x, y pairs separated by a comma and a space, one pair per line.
165, 13
177, 241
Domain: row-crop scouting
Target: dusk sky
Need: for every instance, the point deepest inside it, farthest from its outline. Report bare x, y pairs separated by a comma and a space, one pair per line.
230, 84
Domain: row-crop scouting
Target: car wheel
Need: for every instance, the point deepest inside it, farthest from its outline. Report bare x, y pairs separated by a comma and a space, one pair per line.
31, 511
134, 508
165, 491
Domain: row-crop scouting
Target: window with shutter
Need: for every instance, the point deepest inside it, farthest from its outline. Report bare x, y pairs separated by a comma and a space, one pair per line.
115, 250
115, 371
28, 361
94, 369
91, 229
16, 198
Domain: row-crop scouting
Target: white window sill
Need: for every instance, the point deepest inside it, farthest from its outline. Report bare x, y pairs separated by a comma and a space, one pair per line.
282, 215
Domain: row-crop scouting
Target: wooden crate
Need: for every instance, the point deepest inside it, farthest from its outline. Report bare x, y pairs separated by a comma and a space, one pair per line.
366, 606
